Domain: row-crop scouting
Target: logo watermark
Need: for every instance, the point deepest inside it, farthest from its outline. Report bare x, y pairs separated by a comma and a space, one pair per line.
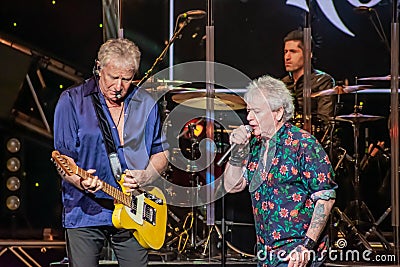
340, 253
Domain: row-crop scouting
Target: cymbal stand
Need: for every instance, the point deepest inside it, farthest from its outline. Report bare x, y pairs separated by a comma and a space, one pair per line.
356, 182
374, 229
331, 128
357, 204
194, 180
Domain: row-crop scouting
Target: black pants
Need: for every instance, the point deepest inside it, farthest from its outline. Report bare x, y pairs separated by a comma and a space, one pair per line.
84, 247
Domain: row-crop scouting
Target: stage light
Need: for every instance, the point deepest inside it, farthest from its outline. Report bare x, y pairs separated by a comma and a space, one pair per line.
101, 25
13, 203
15, 24
13, 164
13, 183
13, 145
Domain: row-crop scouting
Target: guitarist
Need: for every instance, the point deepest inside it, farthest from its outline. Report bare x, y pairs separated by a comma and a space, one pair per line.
138, 153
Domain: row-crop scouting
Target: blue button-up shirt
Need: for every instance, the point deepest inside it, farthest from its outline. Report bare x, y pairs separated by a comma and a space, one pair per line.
77, 135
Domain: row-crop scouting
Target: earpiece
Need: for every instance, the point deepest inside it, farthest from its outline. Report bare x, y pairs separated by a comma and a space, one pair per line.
96, 68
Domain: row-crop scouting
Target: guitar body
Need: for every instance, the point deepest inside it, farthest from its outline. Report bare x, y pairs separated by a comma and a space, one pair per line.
143, 211
147, 234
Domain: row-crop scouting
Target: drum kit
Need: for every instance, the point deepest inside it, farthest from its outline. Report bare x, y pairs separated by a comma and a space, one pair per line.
349, 223
186, 229
187, 234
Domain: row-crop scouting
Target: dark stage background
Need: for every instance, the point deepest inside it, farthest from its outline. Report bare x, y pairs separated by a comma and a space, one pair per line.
248, 37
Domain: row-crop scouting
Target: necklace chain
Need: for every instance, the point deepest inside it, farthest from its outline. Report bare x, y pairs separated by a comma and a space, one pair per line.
120, 114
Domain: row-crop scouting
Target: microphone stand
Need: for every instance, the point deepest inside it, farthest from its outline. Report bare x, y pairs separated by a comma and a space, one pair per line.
180, 27
379, 29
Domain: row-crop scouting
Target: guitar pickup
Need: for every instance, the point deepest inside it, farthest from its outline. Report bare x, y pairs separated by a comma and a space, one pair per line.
153, 198
149, 214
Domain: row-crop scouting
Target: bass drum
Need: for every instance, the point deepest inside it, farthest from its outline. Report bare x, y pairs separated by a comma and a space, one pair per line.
239, 222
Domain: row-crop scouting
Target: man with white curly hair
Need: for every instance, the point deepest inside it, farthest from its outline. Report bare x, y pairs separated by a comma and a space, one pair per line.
288, 175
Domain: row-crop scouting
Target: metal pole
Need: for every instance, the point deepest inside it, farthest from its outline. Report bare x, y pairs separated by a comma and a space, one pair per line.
394, 130
120, 29
307, 72
210, 78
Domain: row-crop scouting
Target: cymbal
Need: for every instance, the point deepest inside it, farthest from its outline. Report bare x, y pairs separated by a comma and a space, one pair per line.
166, 89
199, 100
358, 118
160, 83
378, 78
339, 89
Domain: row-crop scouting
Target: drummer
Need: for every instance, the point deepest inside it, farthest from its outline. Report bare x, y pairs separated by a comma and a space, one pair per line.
322, 106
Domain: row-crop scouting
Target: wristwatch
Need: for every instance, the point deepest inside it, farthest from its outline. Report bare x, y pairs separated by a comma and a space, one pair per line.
308, 243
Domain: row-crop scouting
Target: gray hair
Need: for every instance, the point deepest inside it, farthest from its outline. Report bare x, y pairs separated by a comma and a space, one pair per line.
275, 93
122, 52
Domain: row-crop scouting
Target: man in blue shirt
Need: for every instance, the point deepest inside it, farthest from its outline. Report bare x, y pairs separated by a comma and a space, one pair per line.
134, 121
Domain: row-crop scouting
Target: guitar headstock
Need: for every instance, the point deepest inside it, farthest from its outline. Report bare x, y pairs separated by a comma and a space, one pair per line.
62, 163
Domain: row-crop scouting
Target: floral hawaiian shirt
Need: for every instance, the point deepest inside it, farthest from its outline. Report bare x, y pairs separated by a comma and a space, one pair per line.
284, 188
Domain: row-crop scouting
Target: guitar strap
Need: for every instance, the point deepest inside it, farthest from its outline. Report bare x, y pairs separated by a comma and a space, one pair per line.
107, 137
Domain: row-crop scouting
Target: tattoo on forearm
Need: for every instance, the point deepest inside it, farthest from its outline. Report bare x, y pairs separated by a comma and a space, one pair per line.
319, 218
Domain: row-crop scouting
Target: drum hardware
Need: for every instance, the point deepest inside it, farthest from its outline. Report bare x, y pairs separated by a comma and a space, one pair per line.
356, 119
341, 157
350, 225
219, 233
173, 232
374, 229
230, 245
187, 239
180, 226
357, 205
371, 152
184, 235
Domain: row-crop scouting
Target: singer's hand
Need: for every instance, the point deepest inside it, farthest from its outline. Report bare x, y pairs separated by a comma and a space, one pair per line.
240, 136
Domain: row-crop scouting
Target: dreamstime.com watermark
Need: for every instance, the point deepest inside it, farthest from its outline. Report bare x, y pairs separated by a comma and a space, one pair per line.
330, 254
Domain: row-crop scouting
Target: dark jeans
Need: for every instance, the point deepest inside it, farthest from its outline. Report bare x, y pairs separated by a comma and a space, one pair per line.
84, 247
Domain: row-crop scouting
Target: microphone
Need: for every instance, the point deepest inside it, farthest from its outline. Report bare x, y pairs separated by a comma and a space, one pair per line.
363, 9
118, 94
193, 14
222, 159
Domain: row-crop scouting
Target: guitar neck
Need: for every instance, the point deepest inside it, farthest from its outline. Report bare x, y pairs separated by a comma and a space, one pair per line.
107, 188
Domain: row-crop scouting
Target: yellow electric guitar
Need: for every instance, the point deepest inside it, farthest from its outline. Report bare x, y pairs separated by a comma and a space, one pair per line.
143, 211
